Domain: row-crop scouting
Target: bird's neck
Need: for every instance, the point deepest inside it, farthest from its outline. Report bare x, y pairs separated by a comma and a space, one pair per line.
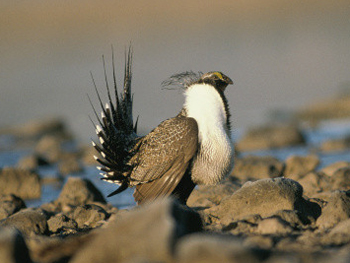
204, 103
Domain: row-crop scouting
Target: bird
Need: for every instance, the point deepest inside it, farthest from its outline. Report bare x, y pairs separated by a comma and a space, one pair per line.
193, 148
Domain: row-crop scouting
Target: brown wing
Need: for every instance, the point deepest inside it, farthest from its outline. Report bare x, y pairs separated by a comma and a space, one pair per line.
164, 156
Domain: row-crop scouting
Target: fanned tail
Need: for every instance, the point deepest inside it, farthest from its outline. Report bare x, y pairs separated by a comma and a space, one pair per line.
116, 130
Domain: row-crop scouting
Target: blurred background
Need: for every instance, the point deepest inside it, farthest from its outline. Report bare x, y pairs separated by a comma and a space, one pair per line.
281, 55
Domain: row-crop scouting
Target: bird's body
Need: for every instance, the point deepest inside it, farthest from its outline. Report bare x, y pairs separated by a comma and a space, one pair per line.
195, 147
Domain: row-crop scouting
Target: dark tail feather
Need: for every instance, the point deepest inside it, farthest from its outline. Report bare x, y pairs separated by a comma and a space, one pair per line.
116, 130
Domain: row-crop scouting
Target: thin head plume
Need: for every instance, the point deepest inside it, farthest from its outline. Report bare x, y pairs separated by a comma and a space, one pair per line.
182, 80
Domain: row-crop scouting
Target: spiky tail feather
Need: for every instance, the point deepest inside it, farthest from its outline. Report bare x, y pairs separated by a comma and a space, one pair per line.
116, 130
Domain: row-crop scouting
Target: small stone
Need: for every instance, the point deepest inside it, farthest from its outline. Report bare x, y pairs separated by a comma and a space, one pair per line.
332, 168
337, 210
274, 226
311, 183
32, 162
28, 221
77, 191
22, 183
298, 166
60, 222
200, 248
69, 166
10, 204
336, 145
50, 148
89, 215
257, 167
340, 179
209, 195
268, 137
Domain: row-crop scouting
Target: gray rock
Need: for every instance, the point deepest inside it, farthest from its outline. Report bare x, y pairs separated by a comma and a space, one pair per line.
44, 249
20, 182
340, 179
202, 248
148, 232
298, 166
10, 204
209, 195
28, 221
13, 248
50, 148
61, 222
336, 145
331, 108
332, 168
89, 215
257, 167
87, 155
37, 128
32, 162
313, 183
69, 166
259, 241
264, 197
292, 217
274, 226
268, 137
77, 191
337, 210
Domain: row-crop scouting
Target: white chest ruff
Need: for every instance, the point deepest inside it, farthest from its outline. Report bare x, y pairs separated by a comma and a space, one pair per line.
215, 156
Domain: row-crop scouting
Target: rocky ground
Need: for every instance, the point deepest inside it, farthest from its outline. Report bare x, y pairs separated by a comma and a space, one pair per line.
267, 210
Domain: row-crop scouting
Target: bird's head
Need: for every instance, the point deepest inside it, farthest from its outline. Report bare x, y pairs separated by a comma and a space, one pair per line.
216, 79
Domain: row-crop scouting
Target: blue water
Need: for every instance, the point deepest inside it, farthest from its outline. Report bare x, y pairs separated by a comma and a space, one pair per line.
50, 191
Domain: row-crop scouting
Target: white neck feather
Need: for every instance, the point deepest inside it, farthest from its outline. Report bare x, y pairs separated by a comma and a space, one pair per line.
204, 104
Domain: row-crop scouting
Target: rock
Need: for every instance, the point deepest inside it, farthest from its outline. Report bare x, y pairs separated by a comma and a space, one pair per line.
333, 108
61, 222
313, 183
148, 232
13, 248
89, 215
292, 217
297, 166
88, 153
241, 227
264, 197
45, 249
332, 168
77, 191
268, 137
28, 221
50, 148
339, 235
200, 248
32, 162
20, 182
37, 128
337, 210
340, 179
259, 241
209, 195
10, 204
274, 226
335, 145
69, 166
257, 167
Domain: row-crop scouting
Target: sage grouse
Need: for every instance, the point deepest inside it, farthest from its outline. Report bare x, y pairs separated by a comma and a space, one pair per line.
195, 147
